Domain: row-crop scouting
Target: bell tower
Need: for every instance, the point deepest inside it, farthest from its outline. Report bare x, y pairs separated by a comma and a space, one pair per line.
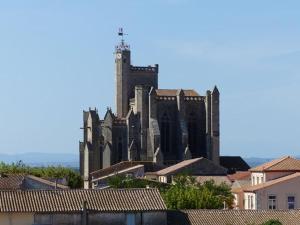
122, 71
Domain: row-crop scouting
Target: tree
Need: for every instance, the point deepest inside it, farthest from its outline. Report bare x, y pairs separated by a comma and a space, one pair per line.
272, 222
186, 193
74, 179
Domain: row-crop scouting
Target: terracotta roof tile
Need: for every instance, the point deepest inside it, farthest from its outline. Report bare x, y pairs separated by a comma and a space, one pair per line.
240, 175
112, 200
178, 166
148, 166
233, 217
173, 92
283, 164
11, 181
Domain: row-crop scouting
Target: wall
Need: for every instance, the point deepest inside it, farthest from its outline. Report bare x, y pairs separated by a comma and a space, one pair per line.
282, 191
145, 218
16, 218
275, 175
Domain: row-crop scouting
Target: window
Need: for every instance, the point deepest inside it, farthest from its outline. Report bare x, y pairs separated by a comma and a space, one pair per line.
192, 132
261, 179
251, 202
130, 219
257, 180
272, 202
165, 133
291, 202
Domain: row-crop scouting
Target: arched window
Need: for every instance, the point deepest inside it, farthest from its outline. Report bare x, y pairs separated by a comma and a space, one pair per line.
120, 150
165, 133
192, 132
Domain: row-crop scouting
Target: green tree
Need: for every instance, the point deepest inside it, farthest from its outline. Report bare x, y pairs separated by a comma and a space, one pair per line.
272, 222
74, 179
186, 193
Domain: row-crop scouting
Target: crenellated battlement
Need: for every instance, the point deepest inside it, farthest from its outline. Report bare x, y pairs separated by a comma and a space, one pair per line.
145, 68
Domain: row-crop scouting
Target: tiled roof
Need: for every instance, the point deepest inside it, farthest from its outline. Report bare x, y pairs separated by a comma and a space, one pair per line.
47, 182
232, 217
240, 175
286, 163
173, 92
148, 166
11, 181
110, 200
217, 179
178, 166
270, 183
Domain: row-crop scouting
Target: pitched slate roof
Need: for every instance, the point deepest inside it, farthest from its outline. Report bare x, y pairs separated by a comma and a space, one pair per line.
232, 217
270, 183
198, 166
112, 200
286, 163
234, 163
173, 92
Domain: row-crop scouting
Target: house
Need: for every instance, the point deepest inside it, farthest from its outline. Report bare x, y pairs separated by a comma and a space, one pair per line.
194, 167
25, 181
82, 207
274, 185
232, 217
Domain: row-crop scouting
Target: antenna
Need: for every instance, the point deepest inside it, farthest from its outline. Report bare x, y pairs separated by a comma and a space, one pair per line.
122, 45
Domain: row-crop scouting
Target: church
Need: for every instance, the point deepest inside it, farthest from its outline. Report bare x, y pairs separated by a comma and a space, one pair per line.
163, 126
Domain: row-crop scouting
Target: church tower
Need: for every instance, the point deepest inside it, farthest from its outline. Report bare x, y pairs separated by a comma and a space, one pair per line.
122, 64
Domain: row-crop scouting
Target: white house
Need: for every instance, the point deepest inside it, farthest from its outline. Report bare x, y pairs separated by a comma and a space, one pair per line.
274, 185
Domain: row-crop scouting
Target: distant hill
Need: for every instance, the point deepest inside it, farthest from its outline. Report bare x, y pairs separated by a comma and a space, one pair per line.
43, 159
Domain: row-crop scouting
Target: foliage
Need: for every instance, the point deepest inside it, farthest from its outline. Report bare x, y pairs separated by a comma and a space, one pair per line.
186, 193
122, 181
272, 222
73, 177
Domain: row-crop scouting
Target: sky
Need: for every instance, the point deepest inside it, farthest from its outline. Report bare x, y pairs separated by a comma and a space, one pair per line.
56, 60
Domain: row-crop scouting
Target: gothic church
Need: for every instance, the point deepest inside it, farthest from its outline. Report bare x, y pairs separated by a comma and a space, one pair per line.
150, 124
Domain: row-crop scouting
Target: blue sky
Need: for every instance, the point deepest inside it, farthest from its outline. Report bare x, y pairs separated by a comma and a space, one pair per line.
56, 59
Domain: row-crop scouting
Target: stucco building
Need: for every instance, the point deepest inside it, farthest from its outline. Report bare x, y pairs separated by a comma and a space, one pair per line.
150, 124
274, 185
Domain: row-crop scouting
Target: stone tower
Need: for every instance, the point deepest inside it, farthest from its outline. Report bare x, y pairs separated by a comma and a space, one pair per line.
122, 63
151, 124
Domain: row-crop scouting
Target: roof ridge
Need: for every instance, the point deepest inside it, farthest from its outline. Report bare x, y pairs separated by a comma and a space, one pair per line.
279, 161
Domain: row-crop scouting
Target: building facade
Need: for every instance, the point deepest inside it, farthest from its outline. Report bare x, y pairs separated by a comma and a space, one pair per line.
150, 124
273, 185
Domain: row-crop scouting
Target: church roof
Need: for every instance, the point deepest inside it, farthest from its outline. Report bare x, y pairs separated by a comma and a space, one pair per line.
173, 92
196, 166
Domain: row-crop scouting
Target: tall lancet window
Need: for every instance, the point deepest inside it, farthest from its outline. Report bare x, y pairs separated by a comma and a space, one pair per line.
120, 150
165, 133
192, 133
